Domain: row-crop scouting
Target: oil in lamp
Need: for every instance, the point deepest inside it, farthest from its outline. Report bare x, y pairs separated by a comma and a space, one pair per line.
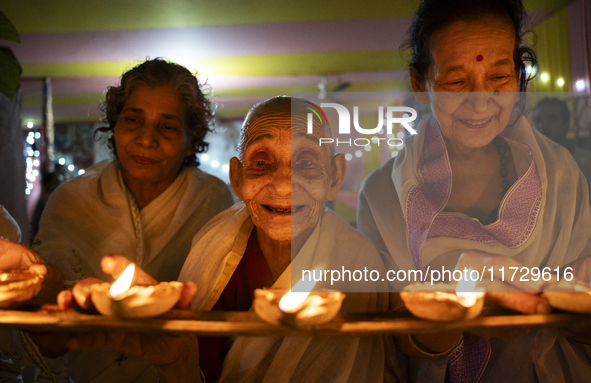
569, 296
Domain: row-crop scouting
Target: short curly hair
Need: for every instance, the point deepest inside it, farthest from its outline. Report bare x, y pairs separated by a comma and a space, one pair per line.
160, 72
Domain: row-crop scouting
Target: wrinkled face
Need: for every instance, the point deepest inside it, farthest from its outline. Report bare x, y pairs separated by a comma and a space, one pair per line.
151, 135
283, 180
472, 70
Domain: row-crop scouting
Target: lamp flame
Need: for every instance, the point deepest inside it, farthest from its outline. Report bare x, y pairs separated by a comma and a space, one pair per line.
122, 284
293, 300
465, 290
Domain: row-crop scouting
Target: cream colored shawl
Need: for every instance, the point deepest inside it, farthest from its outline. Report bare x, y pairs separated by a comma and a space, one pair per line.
94, 215
216, 252
544, 220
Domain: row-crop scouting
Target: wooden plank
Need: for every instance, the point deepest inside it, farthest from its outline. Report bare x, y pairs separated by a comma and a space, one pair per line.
247, 323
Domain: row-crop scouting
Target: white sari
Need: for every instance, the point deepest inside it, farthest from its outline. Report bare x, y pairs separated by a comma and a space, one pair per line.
215, 254
94, 215
544, 220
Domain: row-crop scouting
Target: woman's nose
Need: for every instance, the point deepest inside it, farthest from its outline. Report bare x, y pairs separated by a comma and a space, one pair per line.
147, 136
478, 96
282, 179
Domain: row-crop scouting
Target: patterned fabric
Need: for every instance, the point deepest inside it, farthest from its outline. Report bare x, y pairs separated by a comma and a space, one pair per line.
468, 366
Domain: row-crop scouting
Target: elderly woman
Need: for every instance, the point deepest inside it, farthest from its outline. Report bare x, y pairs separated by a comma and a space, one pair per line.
146, 204
477, 177
280, 229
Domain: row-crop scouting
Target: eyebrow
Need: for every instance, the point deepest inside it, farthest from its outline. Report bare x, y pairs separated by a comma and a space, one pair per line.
457, 68
139, 110
310, 137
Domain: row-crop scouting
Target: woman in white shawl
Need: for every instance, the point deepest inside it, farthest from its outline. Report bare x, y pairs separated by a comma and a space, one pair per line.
283, 176
476, 177
145, 204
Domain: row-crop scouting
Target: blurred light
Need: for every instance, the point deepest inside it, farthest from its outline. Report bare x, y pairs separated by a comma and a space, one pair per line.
395, 153
529, 69
214, 164
29, 161
560, 81
225, 168
71, 167
358, 153
580, 84
381, 132
30, 125
81, 171
61, 161
36, 154
30, 140
367, 148
37, 135
544, 77
30, 153
27, 191
348, 156
35, 173
36, 163
400, 135
204, 157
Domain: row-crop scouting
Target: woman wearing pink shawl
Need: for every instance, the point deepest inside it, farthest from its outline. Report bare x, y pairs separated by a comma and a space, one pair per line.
477, 178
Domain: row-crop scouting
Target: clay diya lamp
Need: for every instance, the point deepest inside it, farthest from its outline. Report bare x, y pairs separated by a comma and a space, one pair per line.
17, 287
297, 307
444, 302
122, 299
569, 296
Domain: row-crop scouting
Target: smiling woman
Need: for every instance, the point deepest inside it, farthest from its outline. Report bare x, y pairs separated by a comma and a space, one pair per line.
146, 204
477, 180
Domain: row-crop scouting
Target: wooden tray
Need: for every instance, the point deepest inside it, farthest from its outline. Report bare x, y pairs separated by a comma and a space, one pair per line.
221, 323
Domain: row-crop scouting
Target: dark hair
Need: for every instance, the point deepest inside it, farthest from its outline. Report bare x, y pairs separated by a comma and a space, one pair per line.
159, 72
435, 15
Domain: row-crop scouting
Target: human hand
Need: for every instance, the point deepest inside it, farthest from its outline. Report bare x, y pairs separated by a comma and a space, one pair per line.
115, 265
14, 256
512, 293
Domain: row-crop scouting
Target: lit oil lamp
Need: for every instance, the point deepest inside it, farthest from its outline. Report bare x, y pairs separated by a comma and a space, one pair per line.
441, 302
297, 307
17, 287
122, 300
569, 296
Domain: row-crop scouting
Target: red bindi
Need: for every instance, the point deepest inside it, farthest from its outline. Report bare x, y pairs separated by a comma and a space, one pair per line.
479, 58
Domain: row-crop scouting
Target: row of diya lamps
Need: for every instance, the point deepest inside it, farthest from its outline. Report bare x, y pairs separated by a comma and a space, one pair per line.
297, 307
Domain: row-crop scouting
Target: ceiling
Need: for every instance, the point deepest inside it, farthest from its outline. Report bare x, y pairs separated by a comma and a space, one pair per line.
246, 50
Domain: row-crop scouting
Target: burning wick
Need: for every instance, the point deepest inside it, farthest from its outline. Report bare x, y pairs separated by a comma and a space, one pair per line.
122, 284
465, 291
294, 300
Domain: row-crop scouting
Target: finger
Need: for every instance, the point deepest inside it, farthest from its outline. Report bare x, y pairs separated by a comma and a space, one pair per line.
115, 265
65, 300
189, 290
38, 269
82, 290
526, 303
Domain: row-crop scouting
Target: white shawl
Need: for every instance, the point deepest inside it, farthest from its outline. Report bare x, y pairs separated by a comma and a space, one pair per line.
544, 220
216, 252
95, 214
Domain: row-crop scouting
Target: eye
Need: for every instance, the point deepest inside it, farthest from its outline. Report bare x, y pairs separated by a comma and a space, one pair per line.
130, 119
260, 163
304, 163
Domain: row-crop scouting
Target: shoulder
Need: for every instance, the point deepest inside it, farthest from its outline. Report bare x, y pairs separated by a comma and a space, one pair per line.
86, 182
557, 158
344, 236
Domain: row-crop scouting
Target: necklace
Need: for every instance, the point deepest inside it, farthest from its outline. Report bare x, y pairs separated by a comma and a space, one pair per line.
502, 147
